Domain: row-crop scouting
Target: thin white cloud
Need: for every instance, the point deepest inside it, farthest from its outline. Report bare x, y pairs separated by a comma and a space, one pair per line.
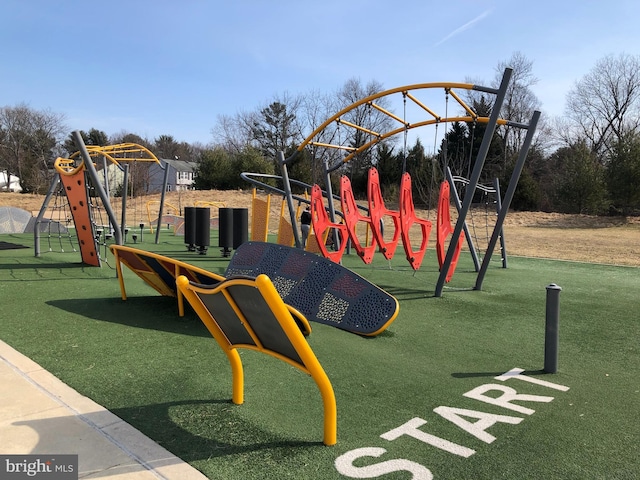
464, 27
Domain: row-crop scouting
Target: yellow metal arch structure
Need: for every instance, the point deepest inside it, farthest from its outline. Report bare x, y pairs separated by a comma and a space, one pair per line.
408, 93
121, 152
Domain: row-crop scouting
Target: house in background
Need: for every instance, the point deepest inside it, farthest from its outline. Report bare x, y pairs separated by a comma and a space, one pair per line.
9, 183
181, 175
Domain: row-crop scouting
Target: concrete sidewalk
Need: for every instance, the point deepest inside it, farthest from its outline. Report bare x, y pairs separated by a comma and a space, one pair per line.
41, 415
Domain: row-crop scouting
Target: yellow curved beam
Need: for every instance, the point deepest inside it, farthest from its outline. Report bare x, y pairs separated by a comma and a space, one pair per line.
204, 203
121, 152
355, 151
64, 166
406, 92
375, 96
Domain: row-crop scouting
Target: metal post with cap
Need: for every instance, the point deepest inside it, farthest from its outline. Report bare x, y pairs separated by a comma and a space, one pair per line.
552, 324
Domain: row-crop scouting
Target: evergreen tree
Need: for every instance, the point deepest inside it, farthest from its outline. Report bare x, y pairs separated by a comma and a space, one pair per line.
92, 137
580, 186
213, 170
623, 174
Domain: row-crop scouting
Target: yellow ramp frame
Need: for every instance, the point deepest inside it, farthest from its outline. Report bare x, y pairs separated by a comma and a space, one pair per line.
249, 313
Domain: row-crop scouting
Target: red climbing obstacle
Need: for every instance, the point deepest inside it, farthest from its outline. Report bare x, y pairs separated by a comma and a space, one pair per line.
321, 222
407, 219
351, 218
377, 212
444, 229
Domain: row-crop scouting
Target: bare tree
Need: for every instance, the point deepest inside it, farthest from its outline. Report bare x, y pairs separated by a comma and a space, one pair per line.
270, 128
284, 121
364, 115
27, 142
315, 109
604, 105
232, 132
520, 101
519, 104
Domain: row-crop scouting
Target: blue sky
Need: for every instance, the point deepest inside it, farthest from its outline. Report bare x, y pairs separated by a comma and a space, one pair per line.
171, 67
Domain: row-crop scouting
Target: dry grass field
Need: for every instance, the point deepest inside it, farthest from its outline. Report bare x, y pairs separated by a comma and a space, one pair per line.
610, 240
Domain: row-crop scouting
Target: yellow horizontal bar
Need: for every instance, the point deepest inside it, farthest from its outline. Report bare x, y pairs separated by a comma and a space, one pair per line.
463, 104
386, 112
423, 106
358, 127
331, 145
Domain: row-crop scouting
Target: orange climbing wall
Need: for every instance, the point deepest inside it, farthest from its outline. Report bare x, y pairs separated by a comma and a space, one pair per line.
75, 187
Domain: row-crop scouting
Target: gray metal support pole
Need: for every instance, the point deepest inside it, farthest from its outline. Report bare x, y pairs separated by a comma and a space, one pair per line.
162, 195
125, 193
552, 324
508, 197
332, 210
88, 164
475, 178
503, 245
105, 176
467, 235
289, 196
45, 205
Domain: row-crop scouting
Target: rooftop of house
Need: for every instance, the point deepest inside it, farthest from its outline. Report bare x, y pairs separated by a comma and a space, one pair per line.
180, 165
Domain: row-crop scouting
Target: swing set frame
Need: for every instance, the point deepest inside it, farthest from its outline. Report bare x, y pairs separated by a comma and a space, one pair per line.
402, 125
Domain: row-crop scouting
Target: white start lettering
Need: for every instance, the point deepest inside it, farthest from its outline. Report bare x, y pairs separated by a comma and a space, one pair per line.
351, 464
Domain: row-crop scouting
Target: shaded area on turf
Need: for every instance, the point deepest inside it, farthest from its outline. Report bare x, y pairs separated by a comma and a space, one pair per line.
10, 246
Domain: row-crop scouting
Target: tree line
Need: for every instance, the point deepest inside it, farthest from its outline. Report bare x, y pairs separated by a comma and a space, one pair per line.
587, 161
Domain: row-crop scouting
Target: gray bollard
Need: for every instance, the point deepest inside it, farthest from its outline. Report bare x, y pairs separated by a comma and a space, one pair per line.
551, 329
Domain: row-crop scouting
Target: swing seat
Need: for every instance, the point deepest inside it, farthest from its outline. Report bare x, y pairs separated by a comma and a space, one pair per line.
377, 212
444, 230
321, 223
351, 218
407, 219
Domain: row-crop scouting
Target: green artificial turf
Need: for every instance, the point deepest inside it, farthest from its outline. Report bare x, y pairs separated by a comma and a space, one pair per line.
167, 377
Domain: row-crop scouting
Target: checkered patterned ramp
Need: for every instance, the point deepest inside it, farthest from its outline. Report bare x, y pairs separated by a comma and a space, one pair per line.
322, 290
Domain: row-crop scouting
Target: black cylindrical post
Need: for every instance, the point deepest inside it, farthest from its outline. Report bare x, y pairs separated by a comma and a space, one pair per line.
190, 228
240, 226
203, 229
225, 230
551, 338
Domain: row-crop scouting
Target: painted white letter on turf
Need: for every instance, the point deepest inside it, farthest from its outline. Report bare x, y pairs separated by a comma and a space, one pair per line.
477, 429
411, 428
504, 400
344, 465
515, 373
